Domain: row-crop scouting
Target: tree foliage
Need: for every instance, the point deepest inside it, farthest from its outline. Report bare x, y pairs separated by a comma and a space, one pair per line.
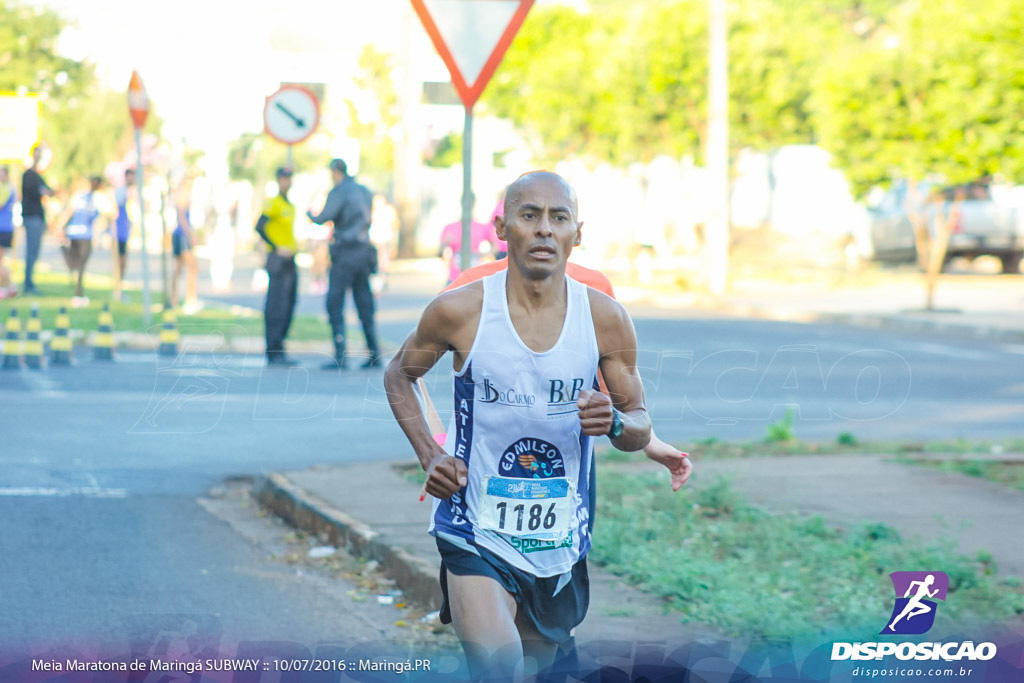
29, 62
86, 126
937, 91
255, 157
890, 87
372, 126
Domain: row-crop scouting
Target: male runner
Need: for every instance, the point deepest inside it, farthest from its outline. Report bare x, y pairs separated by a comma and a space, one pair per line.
678, 463
511, 481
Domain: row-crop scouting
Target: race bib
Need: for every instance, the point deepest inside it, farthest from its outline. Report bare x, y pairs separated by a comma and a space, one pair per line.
538, 509
75, 230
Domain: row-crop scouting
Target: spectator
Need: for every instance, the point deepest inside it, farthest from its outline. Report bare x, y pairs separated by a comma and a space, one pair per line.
8, 198
276, 225
353, 261
33, 214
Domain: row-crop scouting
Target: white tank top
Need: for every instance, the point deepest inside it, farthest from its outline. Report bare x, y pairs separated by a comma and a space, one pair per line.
516, 425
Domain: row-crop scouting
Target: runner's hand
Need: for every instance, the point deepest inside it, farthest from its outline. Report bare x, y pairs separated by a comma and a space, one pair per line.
595, 412
675, 461
445, 476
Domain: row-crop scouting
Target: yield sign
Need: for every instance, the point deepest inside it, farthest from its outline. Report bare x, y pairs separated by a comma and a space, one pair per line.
471, 36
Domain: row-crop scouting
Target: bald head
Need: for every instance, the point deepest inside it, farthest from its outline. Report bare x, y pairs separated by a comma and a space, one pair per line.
515, 192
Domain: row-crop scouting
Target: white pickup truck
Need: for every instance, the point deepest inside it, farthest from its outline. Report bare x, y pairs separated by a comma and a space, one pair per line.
983, 227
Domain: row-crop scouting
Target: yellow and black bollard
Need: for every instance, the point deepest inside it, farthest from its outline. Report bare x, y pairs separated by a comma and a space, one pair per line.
169, 336
33, 342
103, 340
12, 342
60, 345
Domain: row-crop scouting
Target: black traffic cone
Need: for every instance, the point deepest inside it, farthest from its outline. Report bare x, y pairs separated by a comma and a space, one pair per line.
33, 349
103, 340
12, 342
169, 336
60, 345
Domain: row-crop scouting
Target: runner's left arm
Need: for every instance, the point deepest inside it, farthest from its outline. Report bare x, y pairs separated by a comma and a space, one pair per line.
616, 341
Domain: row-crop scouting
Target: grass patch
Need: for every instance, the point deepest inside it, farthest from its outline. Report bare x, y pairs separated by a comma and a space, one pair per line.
718, 560
229, 323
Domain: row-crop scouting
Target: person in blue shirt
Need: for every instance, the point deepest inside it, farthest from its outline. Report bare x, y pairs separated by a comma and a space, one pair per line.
123, 224
8, 198
183, 240
79, 219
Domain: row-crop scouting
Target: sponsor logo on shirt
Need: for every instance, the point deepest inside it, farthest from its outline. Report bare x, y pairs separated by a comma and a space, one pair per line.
531, 458
506, 397
532, 545
562, 396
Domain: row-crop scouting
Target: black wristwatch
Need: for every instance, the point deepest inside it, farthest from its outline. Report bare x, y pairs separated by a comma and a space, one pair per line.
617, 425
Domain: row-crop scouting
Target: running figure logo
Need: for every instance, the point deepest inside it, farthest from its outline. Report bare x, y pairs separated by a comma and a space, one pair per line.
914, 612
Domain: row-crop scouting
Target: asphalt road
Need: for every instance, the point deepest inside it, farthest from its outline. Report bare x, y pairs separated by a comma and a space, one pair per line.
104, 539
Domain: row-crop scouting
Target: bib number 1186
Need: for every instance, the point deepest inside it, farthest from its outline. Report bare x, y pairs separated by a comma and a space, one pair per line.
528, 508
532, 518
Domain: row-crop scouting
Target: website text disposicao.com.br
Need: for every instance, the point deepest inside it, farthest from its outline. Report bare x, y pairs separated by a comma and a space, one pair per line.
905, 672
903, 669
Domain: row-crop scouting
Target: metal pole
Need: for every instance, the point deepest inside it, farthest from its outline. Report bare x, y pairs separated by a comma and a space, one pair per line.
717, 152
146, 305
467, 189
163, 243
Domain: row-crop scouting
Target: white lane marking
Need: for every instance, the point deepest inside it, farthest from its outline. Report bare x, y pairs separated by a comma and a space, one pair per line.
49, 492
43, 386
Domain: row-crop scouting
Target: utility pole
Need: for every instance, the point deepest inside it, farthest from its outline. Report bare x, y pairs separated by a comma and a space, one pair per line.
716, 153
407, 148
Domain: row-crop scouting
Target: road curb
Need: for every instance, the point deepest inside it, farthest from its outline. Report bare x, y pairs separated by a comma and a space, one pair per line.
416, 578
909, 321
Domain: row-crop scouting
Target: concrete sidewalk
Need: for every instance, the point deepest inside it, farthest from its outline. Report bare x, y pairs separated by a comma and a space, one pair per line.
373, 509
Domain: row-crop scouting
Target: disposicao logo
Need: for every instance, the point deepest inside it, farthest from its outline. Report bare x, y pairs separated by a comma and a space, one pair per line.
916, 595
913, 614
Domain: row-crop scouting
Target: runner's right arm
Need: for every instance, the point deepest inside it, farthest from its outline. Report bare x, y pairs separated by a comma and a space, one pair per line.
441, 328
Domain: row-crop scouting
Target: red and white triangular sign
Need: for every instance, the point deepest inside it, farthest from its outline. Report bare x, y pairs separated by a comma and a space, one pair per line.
471, 36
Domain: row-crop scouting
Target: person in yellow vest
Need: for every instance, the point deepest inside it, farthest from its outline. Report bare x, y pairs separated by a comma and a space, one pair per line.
276, 226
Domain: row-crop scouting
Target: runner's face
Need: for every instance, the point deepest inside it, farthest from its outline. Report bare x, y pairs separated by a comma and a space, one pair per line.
541, 227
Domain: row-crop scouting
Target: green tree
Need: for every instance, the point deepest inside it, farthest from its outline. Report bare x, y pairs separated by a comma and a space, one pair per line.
86, 126
372, 125
88, 132
29, 62
938, 91
447, 153
626, 82
255, 156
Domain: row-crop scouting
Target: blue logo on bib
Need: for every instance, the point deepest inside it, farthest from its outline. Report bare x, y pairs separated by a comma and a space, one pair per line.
530, 458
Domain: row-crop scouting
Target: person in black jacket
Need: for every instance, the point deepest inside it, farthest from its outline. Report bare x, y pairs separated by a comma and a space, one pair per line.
353, 260
33, 214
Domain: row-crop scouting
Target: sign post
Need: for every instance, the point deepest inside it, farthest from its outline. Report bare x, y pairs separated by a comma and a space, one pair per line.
138, 107
471, 36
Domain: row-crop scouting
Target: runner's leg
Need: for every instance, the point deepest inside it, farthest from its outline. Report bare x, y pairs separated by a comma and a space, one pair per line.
483, 615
